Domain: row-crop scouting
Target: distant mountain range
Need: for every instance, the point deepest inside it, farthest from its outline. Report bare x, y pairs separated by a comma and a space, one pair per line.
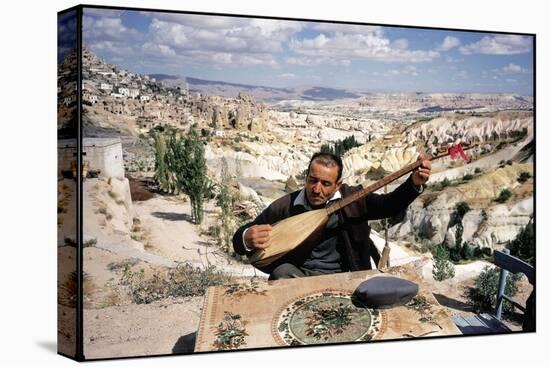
268, 94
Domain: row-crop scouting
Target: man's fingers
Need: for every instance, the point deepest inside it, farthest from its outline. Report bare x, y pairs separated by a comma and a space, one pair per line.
262, 227
262, 245
260, 238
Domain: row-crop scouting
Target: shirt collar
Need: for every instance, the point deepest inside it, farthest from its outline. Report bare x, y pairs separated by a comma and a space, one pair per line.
301, 199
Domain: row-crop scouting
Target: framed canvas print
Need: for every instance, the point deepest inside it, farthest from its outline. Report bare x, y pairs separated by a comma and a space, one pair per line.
234, 182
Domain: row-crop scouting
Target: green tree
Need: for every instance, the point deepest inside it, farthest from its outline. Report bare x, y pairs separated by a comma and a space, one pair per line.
523, 246
180, 166
225, 202
163, 176
442, 267
484, 295
340, 146
457, 252
186, 159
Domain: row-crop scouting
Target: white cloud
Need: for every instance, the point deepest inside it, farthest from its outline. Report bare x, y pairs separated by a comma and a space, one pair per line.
448, 43
499, 45
513, 69
288, 76
248, 41
407, 70
110, 13
400, 44
347, 28
363, 46
108, 29
452, 60
176, 38
314, 61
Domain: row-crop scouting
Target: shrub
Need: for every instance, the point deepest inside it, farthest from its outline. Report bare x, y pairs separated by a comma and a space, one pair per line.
504, 195
484, 296
478, 170
461, 209
183, 281
524, 176
468, 252
69, 241
442, 268
91, 242
523, 246
467, 177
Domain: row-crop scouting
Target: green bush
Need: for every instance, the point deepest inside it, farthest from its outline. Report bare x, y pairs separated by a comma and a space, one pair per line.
483, 296
504, 195
523, 246
461, 209
442, 267
340, 146
468, 252
524, 176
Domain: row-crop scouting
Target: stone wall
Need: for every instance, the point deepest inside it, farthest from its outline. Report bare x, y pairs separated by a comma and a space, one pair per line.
103, 154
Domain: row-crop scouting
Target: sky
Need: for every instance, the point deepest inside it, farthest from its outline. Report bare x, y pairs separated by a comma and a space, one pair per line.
288, 53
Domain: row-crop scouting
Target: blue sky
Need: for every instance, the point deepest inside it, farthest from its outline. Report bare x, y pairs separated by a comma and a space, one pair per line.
290, 53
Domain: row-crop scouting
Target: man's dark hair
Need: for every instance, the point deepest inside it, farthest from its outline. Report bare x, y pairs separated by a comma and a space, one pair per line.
327, 160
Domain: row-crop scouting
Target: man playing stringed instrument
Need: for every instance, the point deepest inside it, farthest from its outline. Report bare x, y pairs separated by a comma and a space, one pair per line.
344, 243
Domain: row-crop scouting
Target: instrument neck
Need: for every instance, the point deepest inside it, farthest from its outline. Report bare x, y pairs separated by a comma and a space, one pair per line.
373, 187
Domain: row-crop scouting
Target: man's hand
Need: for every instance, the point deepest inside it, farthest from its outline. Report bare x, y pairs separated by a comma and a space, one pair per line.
257, 236
421, 175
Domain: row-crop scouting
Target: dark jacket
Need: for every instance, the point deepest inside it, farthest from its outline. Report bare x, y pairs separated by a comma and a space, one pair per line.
354, 229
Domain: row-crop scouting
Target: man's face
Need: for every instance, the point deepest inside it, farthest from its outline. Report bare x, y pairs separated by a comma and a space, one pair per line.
321, 184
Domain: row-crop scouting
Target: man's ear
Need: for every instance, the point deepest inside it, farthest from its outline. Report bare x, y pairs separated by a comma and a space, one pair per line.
339, 184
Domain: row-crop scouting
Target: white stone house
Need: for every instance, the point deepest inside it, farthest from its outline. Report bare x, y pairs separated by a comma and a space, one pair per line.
133, 93
124, 91
104, 154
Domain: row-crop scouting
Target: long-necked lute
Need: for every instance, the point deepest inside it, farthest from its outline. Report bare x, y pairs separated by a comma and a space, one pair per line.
293, 238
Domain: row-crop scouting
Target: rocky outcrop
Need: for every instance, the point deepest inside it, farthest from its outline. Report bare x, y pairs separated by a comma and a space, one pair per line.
481, 227
292, 184
452, 129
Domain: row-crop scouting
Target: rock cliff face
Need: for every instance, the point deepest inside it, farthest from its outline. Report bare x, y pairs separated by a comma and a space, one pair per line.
482, 227
452, 129
488, 224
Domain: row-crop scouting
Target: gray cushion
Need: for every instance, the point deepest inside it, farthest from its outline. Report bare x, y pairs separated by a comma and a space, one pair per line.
385, 292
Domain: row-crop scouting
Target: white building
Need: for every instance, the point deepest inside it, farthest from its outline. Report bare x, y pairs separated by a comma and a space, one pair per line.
144, 98
104, 154
105, 86
133, 93
92, 98
124, 91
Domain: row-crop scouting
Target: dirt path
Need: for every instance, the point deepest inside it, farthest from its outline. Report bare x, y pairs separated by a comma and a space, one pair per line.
172, 235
